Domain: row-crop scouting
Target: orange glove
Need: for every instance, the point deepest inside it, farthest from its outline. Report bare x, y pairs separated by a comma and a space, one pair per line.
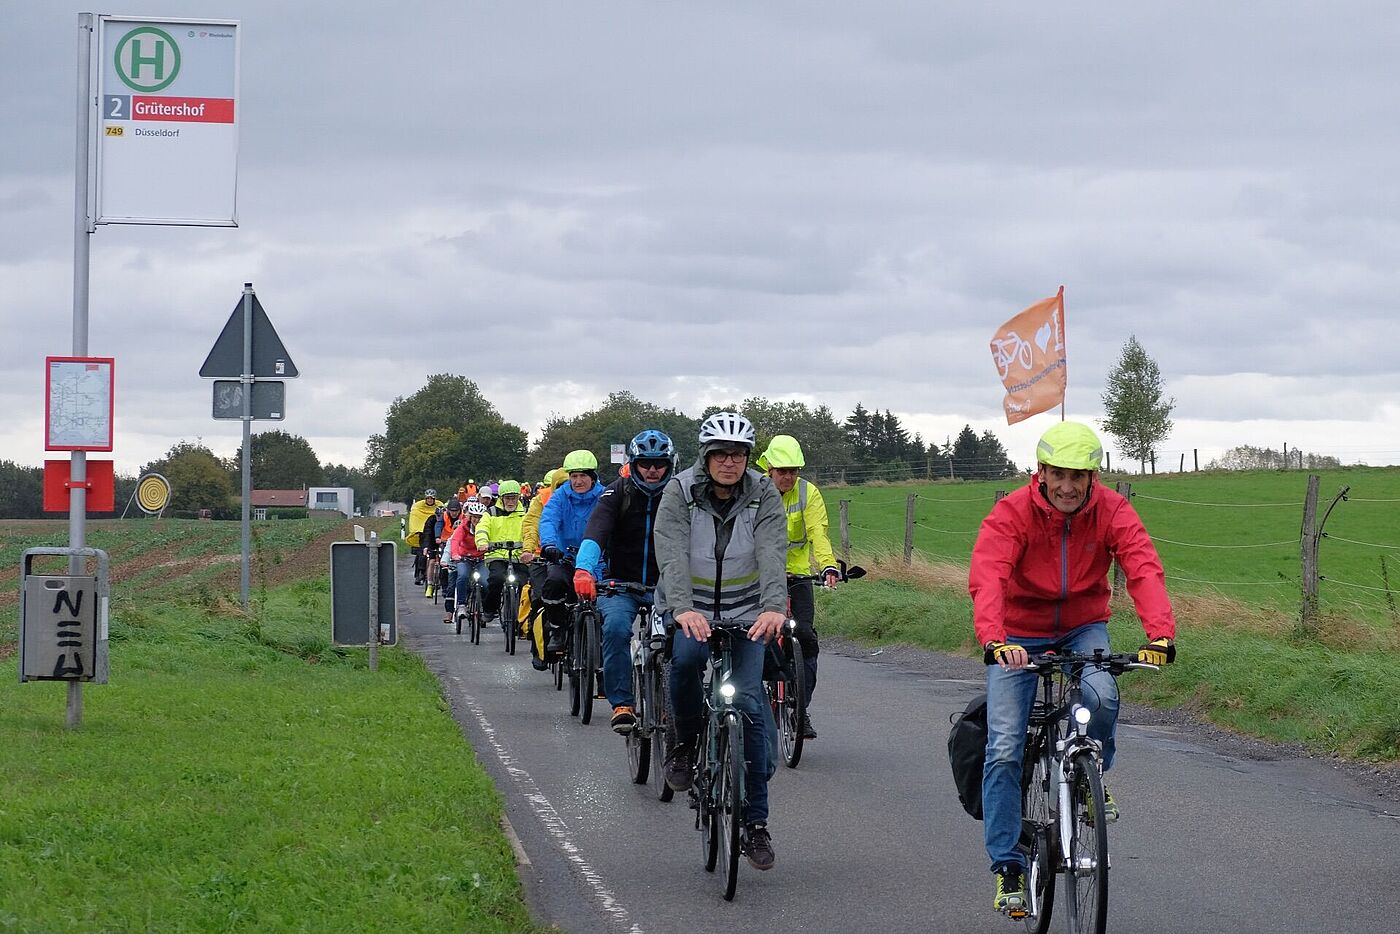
584, 586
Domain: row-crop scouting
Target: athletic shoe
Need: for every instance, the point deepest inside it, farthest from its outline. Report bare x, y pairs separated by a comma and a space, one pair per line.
807, 731
624, 720
758, 846
1011, 892
680, 767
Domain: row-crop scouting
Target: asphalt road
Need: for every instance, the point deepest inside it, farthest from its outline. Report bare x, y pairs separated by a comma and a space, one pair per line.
868, 831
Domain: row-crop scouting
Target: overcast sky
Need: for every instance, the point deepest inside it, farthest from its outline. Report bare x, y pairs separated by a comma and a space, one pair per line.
831, 202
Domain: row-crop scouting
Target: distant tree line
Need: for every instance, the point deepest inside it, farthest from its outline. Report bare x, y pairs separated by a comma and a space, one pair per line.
448, 432
1248, 457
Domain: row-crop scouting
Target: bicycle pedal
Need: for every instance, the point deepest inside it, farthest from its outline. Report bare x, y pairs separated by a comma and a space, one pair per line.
1017, 914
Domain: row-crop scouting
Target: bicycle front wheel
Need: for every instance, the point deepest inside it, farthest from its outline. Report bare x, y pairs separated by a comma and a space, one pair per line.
792, 712
510, 606
575, 672
588, 653
1086, 876
639, 740
729, 799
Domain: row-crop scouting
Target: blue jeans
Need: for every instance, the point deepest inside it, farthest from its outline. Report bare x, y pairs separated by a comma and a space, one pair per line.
688, 659
618, 612
463, 570
1010, 696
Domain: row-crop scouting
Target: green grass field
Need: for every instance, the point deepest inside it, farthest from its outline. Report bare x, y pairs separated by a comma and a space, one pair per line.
239, 772
1244, 664
1223, 534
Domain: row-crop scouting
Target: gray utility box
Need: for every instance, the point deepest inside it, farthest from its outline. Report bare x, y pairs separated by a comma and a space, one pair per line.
63, 621
350, 570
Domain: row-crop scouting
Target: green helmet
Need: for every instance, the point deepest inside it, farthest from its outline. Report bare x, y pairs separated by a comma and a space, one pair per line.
783, 451
509, 487
580, 460
1070, 445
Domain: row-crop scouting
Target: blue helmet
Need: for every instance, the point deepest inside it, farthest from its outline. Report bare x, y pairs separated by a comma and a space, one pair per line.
651, 445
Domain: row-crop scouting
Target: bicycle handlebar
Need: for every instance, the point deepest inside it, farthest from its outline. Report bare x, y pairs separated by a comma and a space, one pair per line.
1115, 663
844, 572
613, 587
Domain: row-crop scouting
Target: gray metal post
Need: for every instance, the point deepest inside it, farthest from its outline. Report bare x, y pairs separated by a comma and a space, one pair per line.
82, 230
373, 545
247, 381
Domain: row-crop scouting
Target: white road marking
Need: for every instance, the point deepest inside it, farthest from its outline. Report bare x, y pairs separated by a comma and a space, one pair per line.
553, 823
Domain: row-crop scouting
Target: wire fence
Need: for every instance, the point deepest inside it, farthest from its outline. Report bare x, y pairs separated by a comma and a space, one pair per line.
1353, 569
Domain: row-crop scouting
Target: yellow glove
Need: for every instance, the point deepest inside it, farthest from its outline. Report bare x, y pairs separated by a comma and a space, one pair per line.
993, 651
1157, 652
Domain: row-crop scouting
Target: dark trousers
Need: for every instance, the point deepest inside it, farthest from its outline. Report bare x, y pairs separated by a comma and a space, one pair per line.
801, 596
495, 583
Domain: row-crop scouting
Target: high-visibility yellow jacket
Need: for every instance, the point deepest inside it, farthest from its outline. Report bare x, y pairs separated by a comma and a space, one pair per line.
530, 531
417, 516
809, 546
499, 528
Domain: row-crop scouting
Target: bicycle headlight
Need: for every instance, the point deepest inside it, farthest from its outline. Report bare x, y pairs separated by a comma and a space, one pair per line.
1081, 716
476, 575
726, 690
792, 625
510, 578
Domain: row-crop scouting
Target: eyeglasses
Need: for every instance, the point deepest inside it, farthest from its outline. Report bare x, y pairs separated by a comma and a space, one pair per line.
653, 465
729, 457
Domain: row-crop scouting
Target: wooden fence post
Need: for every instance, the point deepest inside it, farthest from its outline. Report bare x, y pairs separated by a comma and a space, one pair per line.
1307, 619
909, 529
1001, 495
1182, 468
1153, 455
1195, 459
1126, 489
845, 505
1108, 458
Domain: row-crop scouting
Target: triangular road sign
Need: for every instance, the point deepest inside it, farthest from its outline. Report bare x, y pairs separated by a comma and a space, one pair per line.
270, 358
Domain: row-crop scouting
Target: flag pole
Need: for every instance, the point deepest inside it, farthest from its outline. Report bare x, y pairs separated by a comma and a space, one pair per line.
1063, 330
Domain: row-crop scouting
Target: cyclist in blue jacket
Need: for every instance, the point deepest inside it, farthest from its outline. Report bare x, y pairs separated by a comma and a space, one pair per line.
562, 525
620, 531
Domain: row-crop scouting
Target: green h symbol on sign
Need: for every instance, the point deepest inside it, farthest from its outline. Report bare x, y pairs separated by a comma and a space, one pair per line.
147, 59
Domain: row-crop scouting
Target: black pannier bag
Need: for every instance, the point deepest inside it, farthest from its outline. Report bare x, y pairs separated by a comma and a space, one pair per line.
967, 752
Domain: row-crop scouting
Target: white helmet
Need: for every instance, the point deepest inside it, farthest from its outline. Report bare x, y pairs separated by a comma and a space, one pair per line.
726, 428
476, 508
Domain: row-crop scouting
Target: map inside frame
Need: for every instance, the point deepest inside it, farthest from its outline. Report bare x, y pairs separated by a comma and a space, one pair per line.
78, 403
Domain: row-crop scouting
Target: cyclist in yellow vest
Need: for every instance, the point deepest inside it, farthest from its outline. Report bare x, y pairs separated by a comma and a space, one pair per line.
538, 570
808, 549
501, 524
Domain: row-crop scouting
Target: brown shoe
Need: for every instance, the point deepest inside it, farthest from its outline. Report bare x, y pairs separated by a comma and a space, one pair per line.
758, 847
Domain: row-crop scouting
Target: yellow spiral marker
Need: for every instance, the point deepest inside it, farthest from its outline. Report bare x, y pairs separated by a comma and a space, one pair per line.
153, 493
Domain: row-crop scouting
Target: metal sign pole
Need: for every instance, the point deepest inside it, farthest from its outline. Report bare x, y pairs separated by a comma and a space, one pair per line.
373, 545
82, 230
247, 380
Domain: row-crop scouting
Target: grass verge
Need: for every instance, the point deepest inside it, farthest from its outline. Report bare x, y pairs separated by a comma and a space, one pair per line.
1241, 667
241, 773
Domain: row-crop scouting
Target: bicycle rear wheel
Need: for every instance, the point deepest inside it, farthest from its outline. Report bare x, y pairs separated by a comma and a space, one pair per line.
1038, 837
729, 800
659, 713
1086, 876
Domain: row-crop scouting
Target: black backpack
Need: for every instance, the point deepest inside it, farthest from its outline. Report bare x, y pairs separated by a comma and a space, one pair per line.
967, 752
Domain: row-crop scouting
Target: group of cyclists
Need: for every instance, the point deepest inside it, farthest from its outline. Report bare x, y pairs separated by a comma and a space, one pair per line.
740, 540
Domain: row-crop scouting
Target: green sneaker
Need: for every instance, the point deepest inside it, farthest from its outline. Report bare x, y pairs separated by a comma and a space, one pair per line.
1110, 807
1011, 892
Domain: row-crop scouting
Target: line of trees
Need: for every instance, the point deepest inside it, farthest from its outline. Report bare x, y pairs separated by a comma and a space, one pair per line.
447, 433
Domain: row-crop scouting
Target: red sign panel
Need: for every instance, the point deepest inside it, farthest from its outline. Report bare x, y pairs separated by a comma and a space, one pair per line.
182, 109
101, 496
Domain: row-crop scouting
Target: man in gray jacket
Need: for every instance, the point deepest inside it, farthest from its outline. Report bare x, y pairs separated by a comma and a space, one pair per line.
721, 545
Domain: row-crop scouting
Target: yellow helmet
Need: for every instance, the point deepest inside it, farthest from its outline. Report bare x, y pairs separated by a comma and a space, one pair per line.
1070, 445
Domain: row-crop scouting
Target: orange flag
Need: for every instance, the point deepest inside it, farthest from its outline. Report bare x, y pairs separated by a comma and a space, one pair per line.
1029, 352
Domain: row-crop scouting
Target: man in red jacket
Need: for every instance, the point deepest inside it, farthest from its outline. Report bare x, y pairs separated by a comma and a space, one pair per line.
1039, 580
